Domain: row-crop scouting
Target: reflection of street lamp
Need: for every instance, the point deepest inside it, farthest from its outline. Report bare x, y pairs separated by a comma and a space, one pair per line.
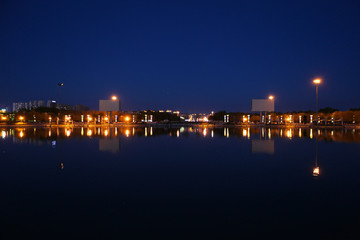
317, 83
316, 169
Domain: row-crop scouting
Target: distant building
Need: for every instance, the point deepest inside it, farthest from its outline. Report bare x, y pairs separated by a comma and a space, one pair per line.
36, 104
17, 106
51, 104
4, 110
81, 108
110, 105
20, 105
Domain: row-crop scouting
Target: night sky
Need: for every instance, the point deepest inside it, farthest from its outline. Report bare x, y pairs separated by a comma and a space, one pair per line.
192, 56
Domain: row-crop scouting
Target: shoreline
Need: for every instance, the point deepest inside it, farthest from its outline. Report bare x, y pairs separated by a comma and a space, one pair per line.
212, 125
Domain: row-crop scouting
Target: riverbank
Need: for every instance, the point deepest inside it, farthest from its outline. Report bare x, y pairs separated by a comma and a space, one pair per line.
187, 124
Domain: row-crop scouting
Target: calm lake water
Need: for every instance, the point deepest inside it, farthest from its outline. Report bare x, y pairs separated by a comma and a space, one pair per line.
179, 183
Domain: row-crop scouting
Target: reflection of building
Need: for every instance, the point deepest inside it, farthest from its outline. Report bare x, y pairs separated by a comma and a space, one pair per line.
109, 145
262, 146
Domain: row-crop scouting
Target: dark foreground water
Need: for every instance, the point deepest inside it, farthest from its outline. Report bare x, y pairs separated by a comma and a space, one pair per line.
179, 183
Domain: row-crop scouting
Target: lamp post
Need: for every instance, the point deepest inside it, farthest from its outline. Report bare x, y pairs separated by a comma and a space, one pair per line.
60, 85
271, 97
317, 83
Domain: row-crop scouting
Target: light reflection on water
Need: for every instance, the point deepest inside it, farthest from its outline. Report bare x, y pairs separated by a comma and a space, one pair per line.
238, 173
42, 134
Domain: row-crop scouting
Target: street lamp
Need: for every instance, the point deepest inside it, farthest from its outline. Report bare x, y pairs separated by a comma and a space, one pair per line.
271, 97
60, 85
317, 82
114, 98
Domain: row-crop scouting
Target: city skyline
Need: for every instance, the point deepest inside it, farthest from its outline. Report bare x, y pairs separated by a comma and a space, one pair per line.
193, 57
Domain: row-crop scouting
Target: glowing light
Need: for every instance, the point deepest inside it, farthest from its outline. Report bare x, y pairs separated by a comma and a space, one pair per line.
204, 132
212, 133
21, 118
49, 132
244, 132
289, 133
127, 132
106, 118
311, 134
127, 118
89, 132
178, 133
316, 171
271, 97
145, 132
68, 132
21, 134
151, 131
3, 134
3, 118
300, 133
82, 131
317, 81
106, 132
114, 98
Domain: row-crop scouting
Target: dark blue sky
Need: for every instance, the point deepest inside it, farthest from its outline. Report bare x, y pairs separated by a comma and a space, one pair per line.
182, 55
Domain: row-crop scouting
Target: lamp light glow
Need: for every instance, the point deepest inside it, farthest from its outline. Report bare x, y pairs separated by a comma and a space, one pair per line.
317, 81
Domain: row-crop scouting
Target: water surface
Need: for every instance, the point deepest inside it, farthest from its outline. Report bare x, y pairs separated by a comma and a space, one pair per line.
176, 183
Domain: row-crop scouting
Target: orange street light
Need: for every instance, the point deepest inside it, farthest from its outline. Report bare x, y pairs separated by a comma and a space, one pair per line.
317, 81
271, 97
114, 98
127, 118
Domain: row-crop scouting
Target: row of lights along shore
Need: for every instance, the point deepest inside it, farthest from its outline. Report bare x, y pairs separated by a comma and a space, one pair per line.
89, 119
